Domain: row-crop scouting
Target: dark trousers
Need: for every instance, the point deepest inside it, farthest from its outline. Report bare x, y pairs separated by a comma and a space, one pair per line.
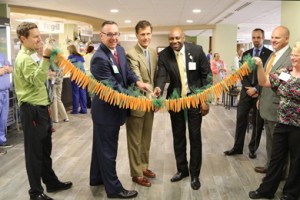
247, 103
88, 99
179, 140
38, 147
104, 154
79, 98
285, 140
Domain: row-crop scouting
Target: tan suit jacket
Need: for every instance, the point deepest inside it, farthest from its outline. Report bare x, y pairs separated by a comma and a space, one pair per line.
138, 63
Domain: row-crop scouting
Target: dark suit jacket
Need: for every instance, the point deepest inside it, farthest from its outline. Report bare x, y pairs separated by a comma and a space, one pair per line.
269, 100
167, 67
251, 79
102, 69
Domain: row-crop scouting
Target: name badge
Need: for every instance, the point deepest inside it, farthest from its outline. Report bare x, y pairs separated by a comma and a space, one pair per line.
115, 68
192, 66
284, 76
35, 57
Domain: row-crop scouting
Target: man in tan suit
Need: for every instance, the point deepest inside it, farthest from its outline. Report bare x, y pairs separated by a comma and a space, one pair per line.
143, 61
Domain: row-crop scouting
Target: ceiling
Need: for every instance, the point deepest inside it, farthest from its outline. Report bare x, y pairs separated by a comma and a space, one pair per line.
247, 14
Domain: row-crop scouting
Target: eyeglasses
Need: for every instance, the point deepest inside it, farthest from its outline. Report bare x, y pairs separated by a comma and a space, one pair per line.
111, 35
294, 55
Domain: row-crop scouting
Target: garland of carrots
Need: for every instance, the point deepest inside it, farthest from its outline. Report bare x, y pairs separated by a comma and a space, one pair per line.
141, 103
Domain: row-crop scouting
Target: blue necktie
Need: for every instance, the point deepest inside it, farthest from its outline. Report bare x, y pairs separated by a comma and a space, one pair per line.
148, 60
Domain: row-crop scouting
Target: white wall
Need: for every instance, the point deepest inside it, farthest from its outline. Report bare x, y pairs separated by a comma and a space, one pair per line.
289, 18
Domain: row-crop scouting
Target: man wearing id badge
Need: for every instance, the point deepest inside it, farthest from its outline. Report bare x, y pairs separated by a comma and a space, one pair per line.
187, 68
109, 64
33, 99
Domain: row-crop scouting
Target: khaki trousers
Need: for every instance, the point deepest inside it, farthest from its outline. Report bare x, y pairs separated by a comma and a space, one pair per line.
139, 131
57, 105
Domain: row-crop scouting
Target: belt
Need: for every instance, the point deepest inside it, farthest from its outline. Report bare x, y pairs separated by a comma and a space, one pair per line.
29, 104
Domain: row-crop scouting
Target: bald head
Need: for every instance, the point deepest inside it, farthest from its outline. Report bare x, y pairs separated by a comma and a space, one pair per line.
280, 37
176, 38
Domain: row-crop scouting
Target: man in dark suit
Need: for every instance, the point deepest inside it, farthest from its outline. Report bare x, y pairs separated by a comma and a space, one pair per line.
269, 100
187, 68
248, 98
109, 64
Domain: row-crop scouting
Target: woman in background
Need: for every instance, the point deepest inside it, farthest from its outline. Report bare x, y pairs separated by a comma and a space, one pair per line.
57, 105
87, 58
78, 94
219, 71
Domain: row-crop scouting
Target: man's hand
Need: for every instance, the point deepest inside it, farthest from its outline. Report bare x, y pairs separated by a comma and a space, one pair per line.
204, 109
258, 61
251, 91
47, 50
257, 104
156, 92
2, 71
144, 86
8, 69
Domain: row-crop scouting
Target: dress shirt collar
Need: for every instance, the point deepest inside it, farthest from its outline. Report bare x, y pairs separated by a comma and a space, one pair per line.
259, 48
280, 53
27, 51
142, 48
182, 51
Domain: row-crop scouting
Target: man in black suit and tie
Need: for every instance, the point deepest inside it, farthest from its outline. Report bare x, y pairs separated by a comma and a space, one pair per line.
248, 98
109, 64
187, 68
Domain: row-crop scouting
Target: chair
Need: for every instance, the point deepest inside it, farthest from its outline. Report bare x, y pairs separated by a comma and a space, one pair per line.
230, 96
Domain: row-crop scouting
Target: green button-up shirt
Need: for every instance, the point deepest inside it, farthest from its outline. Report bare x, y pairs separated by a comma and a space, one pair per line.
30, 78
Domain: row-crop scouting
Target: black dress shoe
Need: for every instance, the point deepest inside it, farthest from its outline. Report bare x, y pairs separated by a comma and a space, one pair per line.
59, 186
124, 194
252, 155
41, 197
285, 197
195, 183
178, 176
232, 152
256, 195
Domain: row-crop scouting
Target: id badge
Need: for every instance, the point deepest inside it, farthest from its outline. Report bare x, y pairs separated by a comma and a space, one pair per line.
115, 68
35, 57
284, 76
192, 66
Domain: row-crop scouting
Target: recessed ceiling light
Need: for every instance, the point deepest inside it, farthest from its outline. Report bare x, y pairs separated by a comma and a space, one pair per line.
114, 10
196, 11
189, 21
127, 21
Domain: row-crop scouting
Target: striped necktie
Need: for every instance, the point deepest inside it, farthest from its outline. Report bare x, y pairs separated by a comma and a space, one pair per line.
256, 53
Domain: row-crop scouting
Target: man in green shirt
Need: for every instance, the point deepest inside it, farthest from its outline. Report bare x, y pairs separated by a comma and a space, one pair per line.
30, 77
